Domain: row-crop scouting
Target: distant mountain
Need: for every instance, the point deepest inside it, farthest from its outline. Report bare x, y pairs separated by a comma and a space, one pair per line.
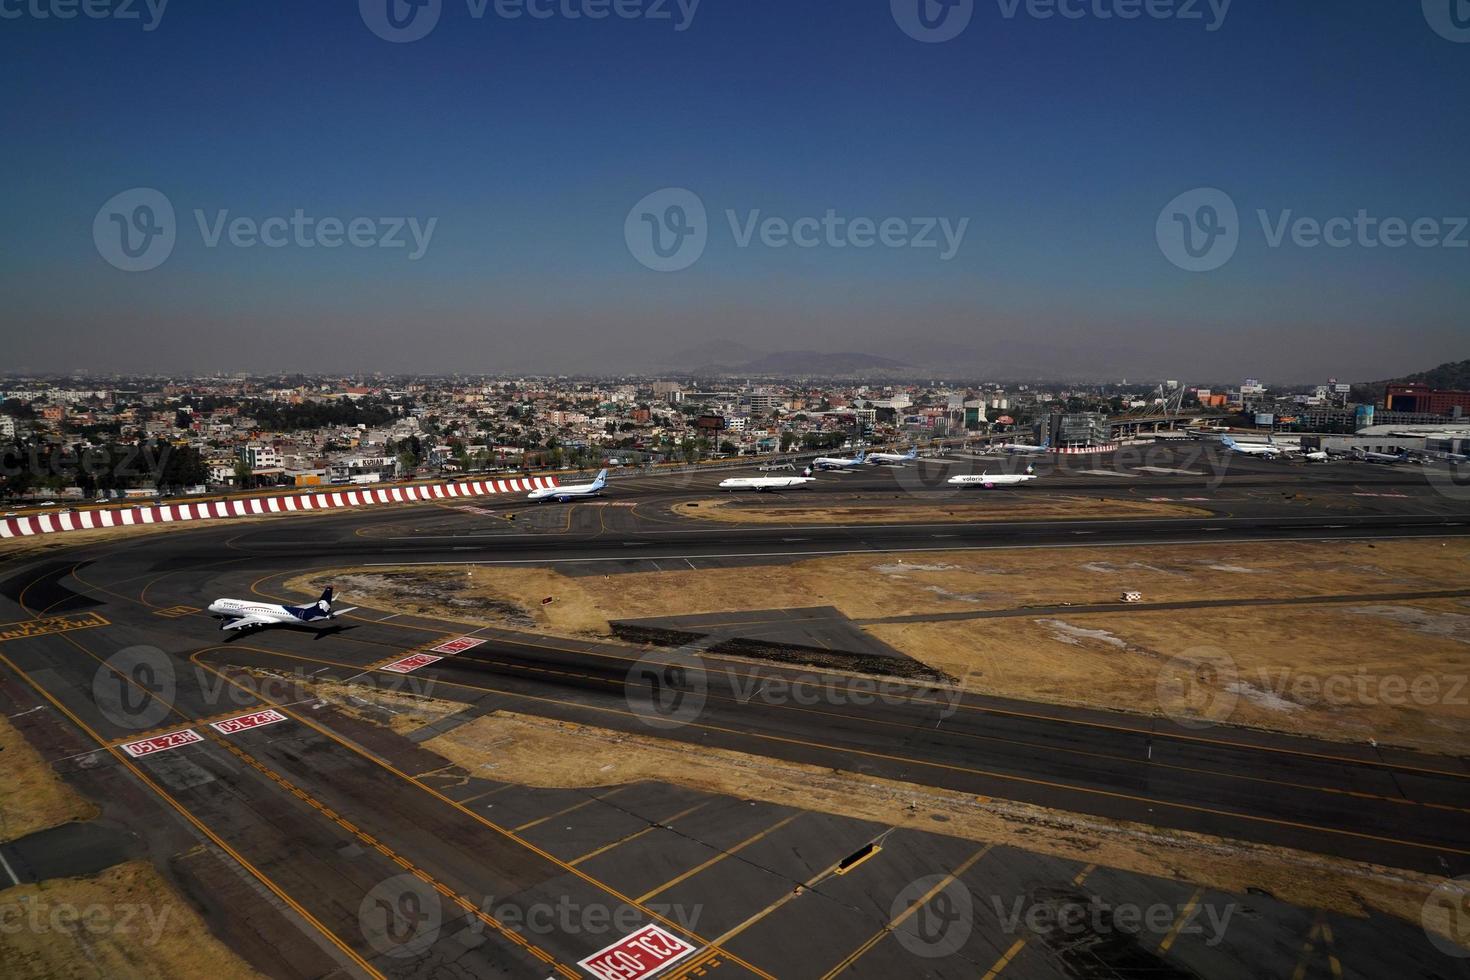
810, 363
1453, 375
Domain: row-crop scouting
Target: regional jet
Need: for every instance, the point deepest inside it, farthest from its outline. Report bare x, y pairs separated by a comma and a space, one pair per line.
894, 459
837, 463
240, 614
764, 484
1022, 448
1267, 449
563, 494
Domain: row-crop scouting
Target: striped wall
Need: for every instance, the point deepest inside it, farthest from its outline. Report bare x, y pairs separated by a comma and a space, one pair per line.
16, 527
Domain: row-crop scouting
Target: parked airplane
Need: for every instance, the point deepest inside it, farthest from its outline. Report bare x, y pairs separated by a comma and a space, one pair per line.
989, 480
571, 492
1317, 456
1015, 448
837, 463
895, 459
764, 484
1386, 458
241, 614
1267, 449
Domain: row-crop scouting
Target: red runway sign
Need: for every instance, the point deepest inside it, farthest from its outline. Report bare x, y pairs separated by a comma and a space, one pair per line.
408, 664
161, 743
640, 955
241, 723
457, 645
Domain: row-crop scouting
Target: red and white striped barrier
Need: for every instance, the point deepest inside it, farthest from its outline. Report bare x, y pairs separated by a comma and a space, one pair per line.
86, 520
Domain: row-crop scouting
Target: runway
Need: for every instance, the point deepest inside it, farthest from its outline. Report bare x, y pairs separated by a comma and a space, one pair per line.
319, 809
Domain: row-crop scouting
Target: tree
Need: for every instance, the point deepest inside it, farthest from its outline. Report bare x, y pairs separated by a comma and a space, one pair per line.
243, 475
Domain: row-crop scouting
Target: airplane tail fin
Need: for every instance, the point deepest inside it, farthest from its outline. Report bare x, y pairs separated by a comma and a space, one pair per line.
326, 596
1227, 442
913, 452
601, 480
862, 455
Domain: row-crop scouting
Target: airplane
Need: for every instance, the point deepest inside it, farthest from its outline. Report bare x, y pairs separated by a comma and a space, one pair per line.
1367, 456
1268, 449
1317, 456
895, 459
764, 484
241, 614
563, 494
1015, 448
837, 463
989, 480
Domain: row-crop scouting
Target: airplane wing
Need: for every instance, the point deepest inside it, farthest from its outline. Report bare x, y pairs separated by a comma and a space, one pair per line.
340, 612
245, 622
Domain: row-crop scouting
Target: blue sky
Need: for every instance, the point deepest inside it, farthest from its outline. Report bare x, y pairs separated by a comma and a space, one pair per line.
528, 141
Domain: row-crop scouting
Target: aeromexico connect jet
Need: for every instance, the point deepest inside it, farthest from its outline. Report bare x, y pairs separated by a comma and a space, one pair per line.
241, 614
838, 463
895, 459
571, 492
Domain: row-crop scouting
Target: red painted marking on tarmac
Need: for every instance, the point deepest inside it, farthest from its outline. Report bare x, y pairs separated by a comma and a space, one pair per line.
457, 645
242, 723
409, 664
161, 743
639, 955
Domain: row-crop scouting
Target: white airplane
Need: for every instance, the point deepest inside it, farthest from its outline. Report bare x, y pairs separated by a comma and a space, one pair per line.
764, 484
563, 494
989, 480
1385, 458
1015, 448
1267, 449
837, 463
894, 459
241, 614
1317, 456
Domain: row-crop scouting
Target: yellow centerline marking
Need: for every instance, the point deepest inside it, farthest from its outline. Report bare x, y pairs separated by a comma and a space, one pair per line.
1179, 922
904, 916
716, 859
571, 809
637, 834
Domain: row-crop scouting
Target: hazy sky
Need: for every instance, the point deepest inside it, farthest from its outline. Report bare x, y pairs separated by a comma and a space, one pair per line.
513, 158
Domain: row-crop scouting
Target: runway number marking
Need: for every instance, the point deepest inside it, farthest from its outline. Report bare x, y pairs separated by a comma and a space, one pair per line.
50, 624
639, 955
457, 645
242, 723
161, 743
408, 664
